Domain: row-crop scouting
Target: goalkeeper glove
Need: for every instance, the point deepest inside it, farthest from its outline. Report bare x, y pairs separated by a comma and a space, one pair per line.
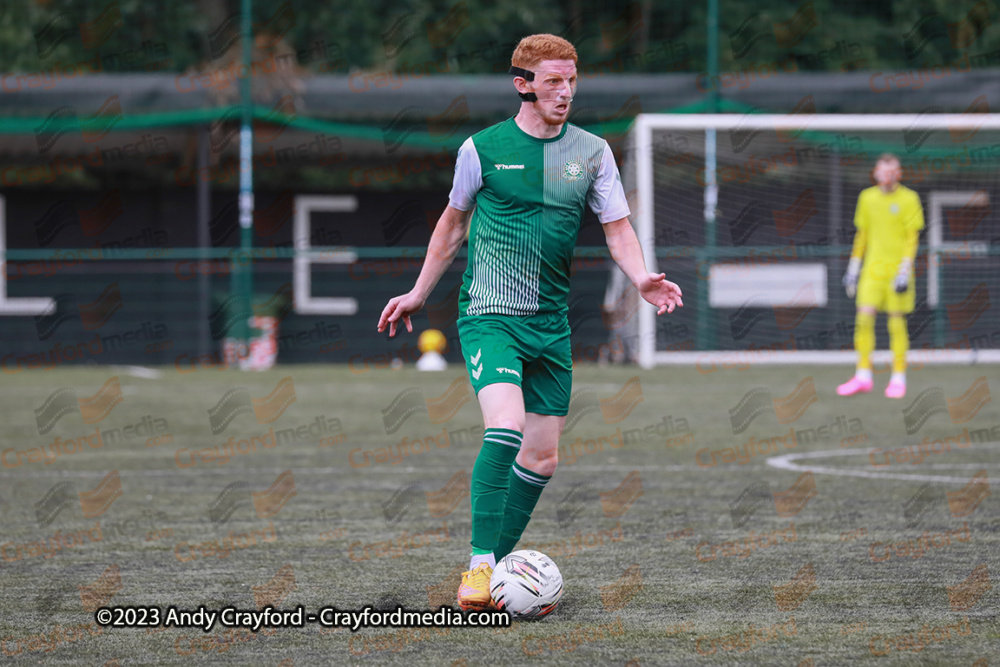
903, 276
850, 280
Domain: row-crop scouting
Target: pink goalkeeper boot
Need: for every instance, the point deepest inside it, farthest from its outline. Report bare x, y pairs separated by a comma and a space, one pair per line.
854, 386
896, 388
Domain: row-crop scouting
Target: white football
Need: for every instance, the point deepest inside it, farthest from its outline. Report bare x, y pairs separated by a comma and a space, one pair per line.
527, 584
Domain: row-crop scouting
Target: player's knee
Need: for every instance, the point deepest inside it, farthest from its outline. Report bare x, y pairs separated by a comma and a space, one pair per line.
509, 423
540, 460
546, 463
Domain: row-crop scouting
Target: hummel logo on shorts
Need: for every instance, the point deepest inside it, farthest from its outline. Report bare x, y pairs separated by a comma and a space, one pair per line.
476, 372
501, 369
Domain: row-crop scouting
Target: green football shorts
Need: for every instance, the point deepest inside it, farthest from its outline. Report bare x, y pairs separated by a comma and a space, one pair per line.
532, 352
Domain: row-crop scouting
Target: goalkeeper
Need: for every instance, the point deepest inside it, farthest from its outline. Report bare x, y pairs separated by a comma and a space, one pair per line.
888, 220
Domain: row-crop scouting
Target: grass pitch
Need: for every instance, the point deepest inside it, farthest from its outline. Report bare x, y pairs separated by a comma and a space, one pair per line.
679, 544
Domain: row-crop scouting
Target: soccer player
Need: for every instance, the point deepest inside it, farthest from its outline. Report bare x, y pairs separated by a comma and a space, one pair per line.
522, 185
888, 220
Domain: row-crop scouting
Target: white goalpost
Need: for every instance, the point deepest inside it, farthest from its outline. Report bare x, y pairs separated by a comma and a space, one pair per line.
753, 216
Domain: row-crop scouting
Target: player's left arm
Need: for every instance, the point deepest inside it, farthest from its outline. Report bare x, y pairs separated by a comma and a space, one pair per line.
627, 253
913, 223
607, 199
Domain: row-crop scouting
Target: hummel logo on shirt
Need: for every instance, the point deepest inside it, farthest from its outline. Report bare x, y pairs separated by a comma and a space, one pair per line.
509, 166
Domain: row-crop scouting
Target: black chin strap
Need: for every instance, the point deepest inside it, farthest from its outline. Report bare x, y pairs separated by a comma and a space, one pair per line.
527, 75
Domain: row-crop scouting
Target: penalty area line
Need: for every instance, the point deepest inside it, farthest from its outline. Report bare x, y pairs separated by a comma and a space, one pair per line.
787, 462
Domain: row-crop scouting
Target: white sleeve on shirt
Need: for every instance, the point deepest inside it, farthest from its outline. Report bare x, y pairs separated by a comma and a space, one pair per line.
468, 177
607, 196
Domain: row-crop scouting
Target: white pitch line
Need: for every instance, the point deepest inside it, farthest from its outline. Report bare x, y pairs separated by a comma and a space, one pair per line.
960, 466
141, 372
786, 462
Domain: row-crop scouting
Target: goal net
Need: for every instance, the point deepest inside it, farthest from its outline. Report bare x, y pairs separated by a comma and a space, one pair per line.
753, 216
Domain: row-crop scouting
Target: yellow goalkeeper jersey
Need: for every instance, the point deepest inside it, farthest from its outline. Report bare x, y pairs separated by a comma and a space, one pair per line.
886, 218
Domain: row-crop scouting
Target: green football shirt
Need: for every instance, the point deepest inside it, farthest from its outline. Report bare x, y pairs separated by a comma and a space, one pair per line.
529, 195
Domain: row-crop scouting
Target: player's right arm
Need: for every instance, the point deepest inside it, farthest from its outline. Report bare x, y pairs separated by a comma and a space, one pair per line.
447, 239
858, 249
449, 234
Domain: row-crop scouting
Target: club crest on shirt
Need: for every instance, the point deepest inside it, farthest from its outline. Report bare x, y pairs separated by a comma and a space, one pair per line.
573, 170
894, 208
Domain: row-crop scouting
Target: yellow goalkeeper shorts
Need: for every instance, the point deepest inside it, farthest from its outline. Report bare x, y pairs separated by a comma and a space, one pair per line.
881, 295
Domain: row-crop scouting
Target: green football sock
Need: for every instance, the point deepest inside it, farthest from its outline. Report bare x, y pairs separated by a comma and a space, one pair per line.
488, 488
525, 489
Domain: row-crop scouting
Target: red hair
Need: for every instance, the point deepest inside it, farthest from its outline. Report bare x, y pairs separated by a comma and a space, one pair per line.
534, 49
